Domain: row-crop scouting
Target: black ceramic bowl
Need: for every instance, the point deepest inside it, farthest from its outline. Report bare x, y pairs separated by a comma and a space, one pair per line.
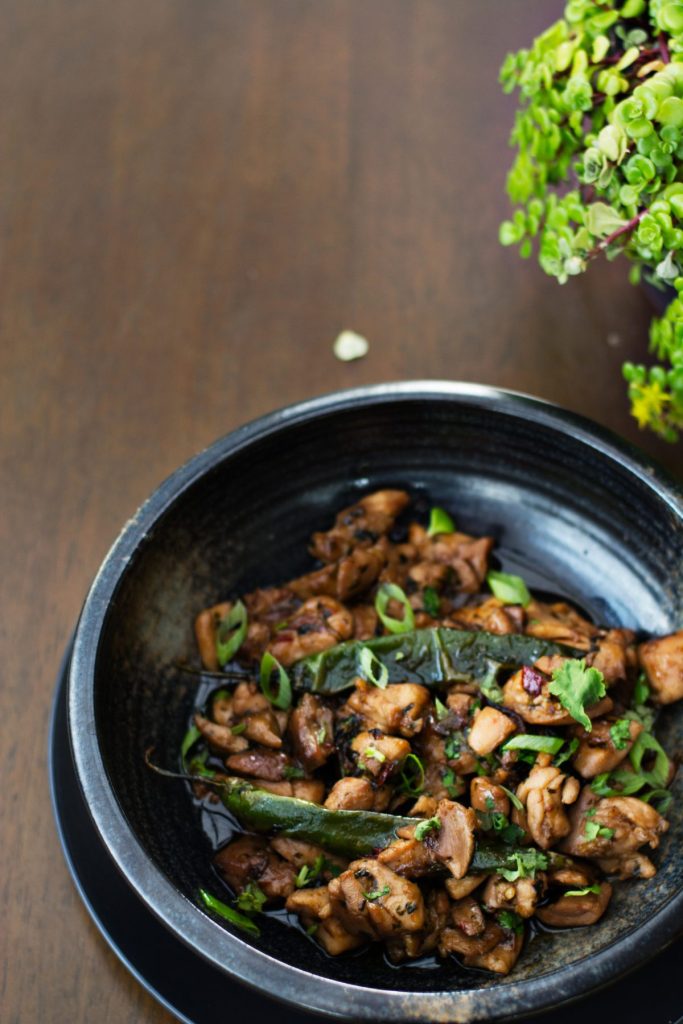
572, 509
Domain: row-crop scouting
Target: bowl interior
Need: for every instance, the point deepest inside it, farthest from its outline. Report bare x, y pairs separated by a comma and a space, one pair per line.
565, 513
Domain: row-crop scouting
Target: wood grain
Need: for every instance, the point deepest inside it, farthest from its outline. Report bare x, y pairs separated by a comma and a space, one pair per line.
195, 199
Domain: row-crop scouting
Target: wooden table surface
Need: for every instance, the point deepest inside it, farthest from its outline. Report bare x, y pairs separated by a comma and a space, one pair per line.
195, 198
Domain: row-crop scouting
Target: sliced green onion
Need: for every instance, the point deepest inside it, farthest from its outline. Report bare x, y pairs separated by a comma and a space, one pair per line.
375, 754
658, 775
412, 775
232, 629
595, 887
439, 522
526, 741
371, 668
514, 799
564, 755
283, 698
641, 691
189, 739
226, 912
508, 588
661, 797
377, 894
388, 592
238, 729
618, 783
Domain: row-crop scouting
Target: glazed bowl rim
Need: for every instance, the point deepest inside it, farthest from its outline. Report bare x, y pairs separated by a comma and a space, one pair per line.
188, 922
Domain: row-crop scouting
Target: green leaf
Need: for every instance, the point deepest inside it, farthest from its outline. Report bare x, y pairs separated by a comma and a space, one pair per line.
508, 588
283, 697
527, 741
511, 921
577, 687
226, 912
565, 754
412, 775
230, 634
602, 220
426, 826
439, 522
594, 830
371, 668
391, 592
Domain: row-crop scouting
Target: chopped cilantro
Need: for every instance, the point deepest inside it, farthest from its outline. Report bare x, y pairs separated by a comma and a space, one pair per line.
658, 774
577, 688
452, 746
431, 601
594, 830
511, 921
620, 733
308, 873
251, 898
526, 863
452, 783
426, 826
377, 894
293, 771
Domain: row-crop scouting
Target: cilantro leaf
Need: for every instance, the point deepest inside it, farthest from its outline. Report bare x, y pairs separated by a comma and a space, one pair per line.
583, 892
620, 733
511, 921
251, 898
526, 863
594, 830
577, 687
431, 601
428, 825
377, 894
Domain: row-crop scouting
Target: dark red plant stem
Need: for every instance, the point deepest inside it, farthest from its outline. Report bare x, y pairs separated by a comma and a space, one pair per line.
624, 229
663, 48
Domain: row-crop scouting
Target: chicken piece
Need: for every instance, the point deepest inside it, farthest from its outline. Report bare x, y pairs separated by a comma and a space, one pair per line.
311, 728
520, 896
544, 793
631, 865
615, 655
407, 856
489, 729
220, 737
271, 605
492, 616
261, 764
429, 574
250, 859
561, 623
468, 916
453, 843
424, 807
467, 556
502, 958
485, 795
535, 704
457, 888
596, 752
263, 727
662, 660
379, 902
358, 570
379, 755
315, 909
409, 945
312, 790
461, 706
205, 626
359, 525
454, 940
365, 621
575, 911
399, 560
398, 709
351, 794
299, 854
247, 699
222, 710
320, 623
571, 875
615, 826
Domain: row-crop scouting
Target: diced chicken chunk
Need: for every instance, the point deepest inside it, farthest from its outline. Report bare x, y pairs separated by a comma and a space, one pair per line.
359, 525
377, 754
379, 902
544, 794
311, 727
398, 709
250, 859
615, 826
597, 752
662, 660
489, 729
220, 737
575, 911
320, 623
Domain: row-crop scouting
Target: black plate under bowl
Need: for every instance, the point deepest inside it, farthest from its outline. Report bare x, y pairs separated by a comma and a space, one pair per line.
571, 507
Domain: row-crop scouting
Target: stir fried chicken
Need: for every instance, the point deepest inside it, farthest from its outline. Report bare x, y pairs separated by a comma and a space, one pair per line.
422, 755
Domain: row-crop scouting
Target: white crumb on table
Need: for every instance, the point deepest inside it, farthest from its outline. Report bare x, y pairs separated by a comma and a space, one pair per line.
350, 345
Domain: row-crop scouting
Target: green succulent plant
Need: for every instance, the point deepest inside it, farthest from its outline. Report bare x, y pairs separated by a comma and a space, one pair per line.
599, 166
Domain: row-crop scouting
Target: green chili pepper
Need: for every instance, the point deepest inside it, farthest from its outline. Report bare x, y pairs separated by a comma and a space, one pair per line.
432, 657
